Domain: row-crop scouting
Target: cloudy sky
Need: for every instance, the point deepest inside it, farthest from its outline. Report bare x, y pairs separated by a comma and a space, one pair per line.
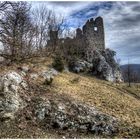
121, 21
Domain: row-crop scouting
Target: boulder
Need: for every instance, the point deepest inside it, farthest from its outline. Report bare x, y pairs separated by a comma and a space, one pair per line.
2, 59
74, 116
81, 66
11, 84
66, 69
48, 75
101, 67
105, 66
101, 63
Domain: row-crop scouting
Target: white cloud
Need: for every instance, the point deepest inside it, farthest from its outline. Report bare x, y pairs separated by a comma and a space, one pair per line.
122, 23
122, 28
65, 8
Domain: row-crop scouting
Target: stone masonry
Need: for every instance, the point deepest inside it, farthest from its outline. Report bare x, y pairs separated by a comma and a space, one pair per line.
87, 39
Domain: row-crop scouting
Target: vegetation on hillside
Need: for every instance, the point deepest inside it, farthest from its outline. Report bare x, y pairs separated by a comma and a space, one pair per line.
112, 99
25, 33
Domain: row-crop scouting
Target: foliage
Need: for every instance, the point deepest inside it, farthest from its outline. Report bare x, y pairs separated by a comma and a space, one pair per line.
75, 80
48, 82
71, 63
58, 63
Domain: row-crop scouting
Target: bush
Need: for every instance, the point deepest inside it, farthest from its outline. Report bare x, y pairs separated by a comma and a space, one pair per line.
48, 81
75, 80
58, 64
71, 63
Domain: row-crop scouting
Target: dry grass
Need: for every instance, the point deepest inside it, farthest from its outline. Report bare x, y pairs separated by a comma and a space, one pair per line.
112, 99
105, 97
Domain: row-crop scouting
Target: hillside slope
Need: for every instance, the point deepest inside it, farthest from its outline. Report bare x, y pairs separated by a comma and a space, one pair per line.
99, 93
134, 67
107, 97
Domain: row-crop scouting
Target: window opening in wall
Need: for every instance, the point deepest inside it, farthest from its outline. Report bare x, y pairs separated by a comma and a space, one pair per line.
95, 28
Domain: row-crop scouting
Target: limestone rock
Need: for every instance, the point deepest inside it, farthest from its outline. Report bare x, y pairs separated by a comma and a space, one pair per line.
48, 75
105, 65
53, 71
102, 64
66, 69
11, 84
2, 59
81, 66
74, 116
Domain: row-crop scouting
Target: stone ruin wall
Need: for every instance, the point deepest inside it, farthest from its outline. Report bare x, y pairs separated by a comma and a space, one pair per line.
93, 33
88, 39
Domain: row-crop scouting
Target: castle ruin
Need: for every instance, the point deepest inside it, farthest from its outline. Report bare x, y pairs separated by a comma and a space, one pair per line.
89, 48
93, 33
87, 39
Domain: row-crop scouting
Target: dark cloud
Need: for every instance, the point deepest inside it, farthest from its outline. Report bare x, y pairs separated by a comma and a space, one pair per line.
127, 21
121, 20
64, 3
136, 8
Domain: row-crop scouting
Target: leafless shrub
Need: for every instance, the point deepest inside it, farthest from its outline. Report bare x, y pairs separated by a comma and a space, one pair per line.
16, 31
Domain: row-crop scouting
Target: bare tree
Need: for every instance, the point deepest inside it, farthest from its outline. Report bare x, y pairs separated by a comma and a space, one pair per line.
4, 5
16, 30
49, 27
128, 73
56, 23
56, 29
41, 18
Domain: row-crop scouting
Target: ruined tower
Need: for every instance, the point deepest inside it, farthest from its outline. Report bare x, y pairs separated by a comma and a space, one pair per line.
87, 40
53, 37
93, 32
79, 33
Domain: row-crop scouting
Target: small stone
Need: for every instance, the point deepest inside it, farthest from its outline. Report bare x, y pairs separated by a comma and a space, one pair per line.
66, 69
25, 68
34, 76
24, 85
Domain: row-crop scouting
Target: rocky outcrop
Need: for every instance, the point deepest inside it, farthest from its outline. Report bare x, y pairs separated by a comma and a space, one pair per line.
105, 66
81, 66
74, 117
48, 75
2, 59
11, 85
102, 64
